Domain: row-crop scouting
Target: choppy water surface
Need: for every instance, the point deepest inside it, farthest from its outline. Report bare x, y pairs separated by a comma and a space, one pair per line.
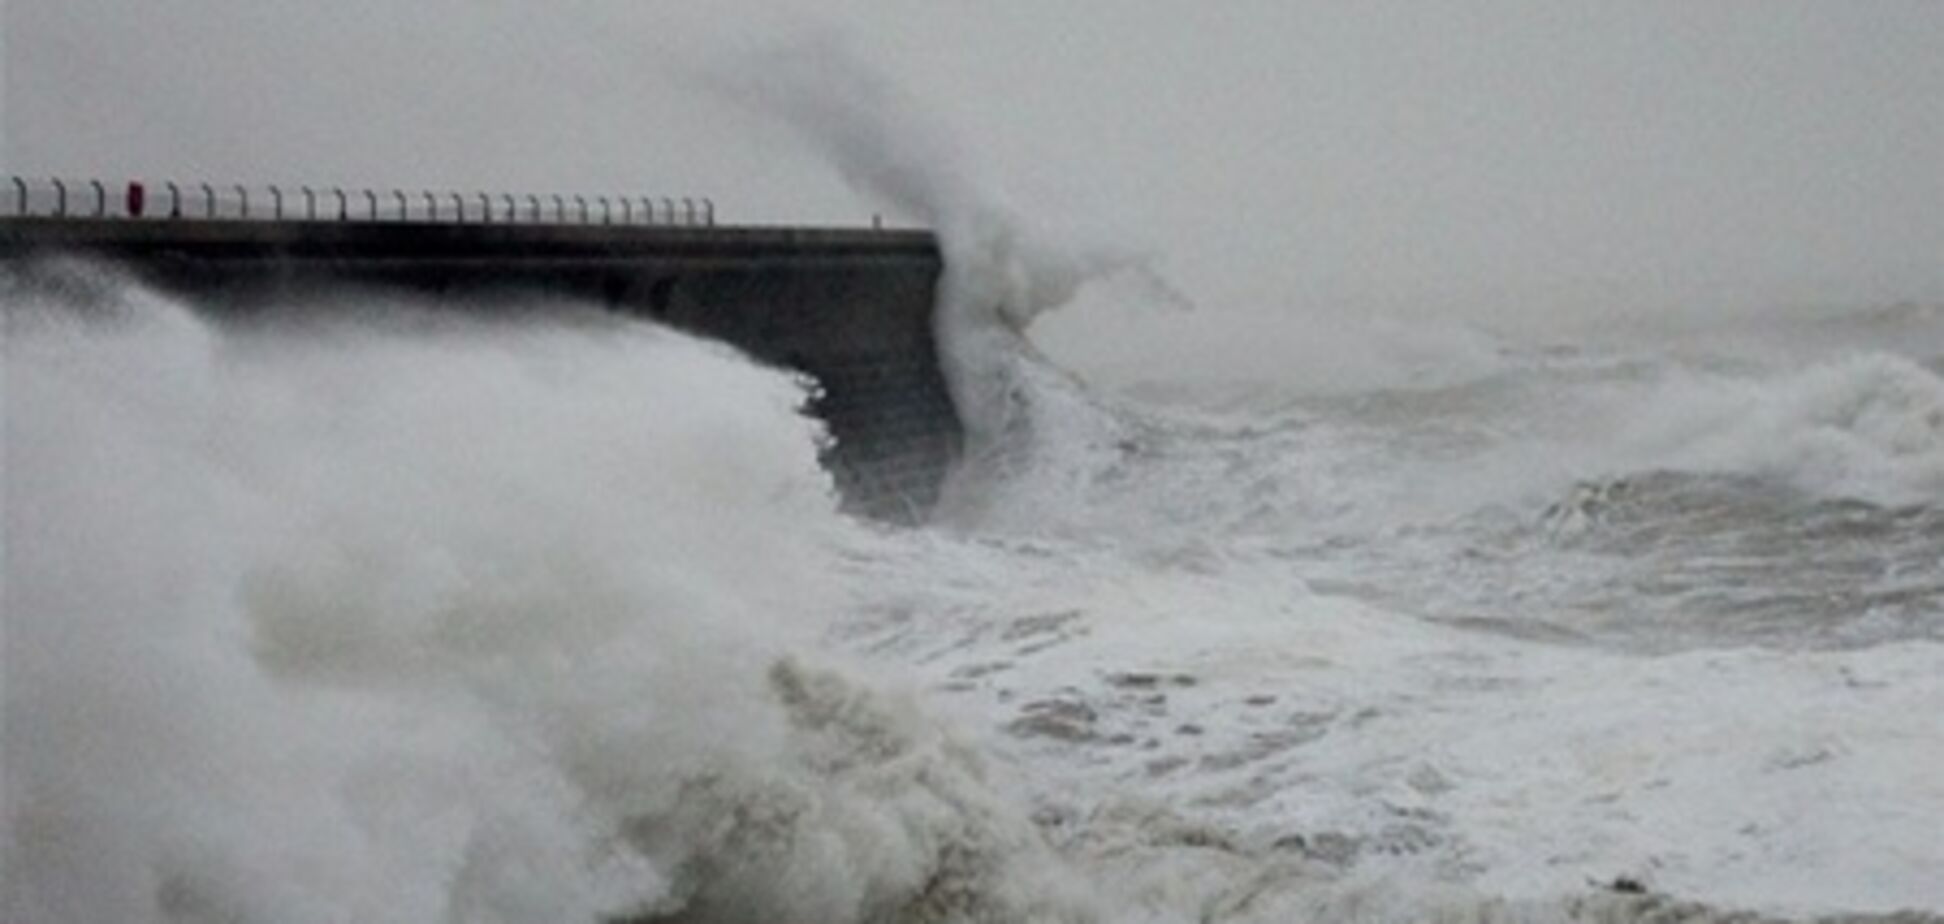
556, 620
1645, 612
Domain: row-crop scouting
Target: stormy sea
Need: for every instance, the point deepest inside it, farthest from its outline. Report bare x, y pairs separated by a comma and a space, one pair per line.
385, 613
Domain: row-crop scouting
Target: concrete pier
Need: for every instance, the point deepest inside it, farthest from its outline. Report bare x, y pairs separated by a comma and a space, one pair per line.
853, 308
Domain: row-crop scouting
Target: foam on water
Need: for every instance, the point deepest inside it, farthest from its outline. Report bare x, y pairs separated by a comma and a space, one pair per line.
445, 620
554, 619
527, 620
1204, 638
1868, 426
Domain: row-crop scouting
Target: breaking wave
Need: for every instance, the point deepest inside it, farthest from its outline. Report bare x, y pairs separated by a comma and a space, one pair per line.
1869, 427
445, 619
415, 617
409, 617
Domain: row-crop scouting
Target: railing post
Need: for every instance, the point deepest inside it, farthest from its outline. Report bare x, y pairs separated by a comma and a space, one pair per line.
243, 200
60, 198
431, 205
512, 208
344, 204
371, 205
582, 200
310, 203
458, 206
209, 201
175, 199
668, 207
607, 210
560, 210
647, 210
627, 210
486, 207
101, 198
688, 211
533, 202
20, 193
404, 205
708, 211
276, 201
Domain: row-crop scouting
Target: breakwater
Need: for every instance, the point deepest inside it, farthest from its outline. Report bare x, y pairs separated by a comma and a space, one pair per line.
852, 308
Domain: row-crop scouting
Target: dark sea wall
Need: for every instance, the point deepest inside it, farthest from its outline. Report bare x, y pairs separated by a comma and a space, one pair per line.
852, 308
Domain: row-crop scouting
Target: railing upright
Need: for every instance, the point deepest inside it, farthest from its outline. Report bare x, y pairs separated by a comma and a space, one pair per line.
478, 206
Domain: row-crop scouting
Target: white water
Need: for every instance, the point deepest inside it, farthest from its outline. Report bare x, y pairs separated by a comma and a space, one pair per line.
436, 620
404, 617
414, 618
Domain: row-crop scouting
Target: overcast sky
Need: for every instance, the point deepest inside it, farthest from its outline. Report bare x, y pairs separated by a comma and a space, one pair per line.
1277, 153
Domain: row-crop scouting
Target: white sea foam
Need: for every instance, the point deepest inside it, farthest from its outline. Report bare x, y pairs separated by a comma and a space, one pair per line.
1206, 730
1209, 735
446, 620
478, 621
1869, 426
552, 621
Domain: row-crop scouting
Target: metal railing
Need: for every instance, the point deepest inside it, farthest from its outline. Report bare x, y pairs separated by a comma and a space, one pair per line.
170, 200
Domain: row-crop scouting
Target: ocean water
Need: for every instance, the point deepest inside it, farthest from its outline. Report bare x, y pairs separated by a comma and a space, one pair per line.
377, 612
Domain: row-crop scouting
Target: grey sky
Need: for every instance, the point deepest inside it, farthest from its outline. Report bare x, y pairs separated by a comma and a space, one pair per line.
1277, 153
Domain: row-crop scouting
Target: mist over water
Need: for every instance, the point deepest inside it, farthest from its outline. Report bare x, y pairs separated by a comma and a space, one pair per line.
408, 616
550, 616
1387, 606
421, 618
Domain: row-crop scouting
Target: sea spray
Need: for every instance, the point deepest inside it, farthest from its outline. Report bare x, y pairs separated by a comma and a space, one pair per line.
1868, 426
498, 621
1004, 266
292, 655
